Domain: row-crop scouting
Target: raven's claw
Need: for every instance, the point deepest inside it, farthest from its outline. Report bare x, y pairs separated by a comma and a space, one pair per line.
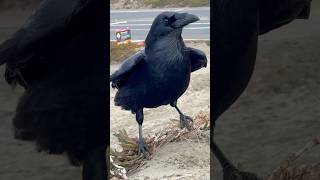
186, 121
234, 174
143, 148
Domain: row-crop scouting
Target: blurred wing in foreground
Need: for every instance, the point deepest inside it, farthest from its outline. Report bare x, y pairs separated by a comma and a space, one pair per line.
40, 35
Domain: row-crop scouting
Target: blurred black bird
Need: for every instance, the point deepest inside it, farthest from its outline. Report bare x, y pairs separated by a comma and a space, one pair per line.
60, 57
236, 27
159, 74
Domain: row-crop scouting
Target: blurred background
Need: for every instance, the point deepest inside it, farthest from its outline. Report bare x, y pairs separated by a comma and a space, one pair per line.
279, 111
19, 160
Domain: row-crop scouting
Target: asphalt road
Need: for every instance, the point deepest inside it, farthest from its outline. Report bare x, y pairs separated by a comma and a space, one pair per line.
139, 21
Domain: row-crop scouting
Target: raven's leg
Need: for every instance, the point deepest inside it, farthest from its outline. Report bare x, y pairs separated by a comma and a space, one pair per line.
94, 164
143, 148
230, 172
184, 120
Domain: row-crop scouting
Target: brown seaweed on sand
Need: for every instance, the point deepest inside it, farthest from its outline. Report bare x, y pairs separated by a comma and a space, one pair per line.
128, 161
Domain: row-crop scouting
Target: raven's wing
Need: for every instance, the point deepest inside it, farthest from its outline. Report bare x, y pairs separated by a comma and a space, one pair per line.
198, 58
274, 13
119, 76
42, 32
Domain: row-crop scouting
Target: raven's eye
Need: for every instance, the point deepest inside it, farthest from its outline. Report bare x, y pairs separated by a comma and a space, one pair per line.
166, 20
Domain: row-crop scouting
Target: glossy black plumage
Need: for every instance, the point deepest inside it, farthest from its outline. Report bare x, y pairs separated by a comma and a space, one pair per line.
158, 74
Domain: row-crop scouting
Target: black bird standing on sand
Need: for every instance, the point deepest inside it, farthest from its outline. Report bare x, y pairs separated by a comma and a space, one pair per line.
60, 57
236, 27
159, 74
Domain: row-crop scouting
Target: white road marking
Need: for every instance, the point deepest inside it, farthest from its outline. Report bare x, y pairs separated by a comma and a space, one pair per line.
141, 11
157, 10
202, 18
140, 20
119, 22
149, 24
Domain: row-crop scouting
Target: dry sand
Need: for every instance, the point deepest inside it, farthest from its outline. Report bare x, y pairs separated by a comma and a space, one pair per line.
181, 160
279, 111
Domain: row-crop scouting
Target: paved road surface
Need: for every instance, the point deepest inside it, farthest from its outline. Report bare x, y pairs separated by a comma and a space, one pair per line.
139, 21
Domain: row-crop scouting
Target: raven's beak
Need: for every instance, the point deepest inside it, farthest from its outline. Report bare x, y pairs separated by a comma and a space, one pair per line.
183, 19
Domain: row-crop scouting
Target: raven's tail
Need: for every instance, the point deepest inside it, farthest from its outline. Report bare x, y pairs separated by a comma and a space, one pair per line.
305, 13
220, 156
7, 51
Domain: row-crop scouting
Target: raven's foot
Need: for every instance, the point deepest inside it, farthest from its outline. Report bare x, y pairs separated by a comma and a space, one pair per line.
231, 173
143, 148
186, 121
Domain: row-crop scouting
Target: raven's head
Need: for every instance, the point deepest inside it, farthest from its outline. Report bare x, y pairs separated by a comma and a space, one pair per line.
169, 23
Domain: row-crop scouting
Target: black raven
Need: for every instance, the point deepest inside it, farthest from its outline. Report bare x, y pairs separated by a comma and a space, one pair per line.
60, 57
159, 74
236, 27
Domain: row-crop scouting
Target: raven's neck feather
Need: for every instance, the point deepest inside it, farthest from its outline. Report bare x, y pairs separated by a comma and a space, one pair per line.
168, 43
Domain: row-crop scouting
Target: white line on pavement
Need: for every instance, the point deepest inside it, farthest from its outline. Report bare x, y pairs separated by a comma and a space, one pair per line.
144, 10
158, 10
119, 22
114, 20
124, 24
